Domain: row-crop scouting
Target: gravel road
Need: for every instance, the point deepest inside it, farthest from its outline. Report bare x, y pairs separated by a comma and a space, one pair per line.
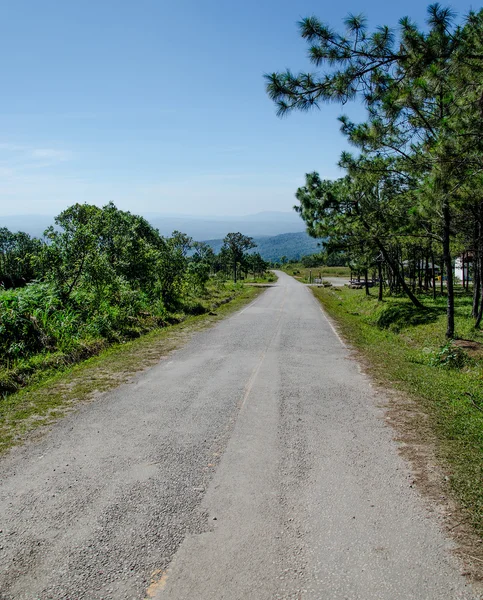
254, 463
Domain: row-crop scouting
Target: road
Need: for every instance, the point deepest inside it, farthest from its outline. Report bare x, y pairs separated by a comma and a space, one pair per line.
254, 463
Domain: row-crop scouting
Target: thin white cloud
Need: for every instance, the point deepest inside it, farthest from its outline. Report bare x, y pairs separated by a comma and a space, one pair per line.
11, 147
51, 154
6, 172
17, 158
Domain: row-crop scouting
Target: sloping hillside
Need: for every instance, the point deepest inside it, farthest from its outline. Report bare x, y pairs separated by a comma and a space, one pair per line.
272, 248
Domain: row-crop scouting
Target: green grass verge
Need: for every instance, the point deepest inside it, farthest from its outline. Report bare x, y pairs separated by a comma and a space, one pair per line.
303, 273
64, 342
406, 349
269, 277
56, 392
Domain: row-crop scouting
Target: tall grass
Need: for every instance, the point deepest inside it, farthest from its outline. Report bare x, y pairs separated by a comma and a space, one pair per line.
39, 331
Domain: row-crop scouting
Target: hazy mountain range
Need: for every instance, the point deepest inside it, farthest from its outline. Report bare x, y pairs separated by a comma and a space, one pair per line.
272, 248
200, 228
277, 234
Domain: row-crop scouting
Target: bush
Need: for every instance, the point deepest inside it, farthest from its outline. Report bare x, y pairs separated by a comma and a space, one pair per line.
450, 356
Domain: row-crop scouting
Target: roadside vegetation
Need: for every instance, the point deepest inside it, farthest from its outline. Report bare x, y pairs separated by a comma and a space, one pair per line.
51, 393
318, 271
405, 347
101, 276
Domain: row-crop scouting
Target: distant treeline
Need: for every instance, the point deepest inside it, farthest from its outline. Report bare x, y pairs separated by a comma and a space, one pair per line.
272, 248
97, 246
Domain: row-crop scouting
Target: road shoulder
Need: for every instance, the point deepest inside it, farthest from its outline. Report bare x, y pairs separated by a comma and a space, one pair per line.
28, 414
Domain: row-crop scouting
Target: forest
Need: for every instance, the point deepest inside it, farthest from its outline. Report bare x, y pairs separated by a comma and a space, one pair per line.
100, 276
410, 204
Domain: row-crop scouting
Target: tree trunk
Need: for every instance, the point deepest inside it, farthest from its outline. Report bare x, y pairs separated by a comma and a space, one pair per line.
476, 284
420, 271
366, 282
379, 272
426, 273
433, 275
397, 274
442, 276
449, 270
477, 259
480, 310
463, 281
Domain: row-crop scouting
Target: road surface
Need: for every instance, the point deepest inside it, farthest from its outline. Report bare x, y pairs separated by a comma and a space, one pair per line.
254, 464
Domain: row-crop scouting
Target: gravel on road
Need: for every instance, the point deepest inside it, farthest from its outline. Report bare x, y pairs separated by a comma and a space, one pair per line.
255, 463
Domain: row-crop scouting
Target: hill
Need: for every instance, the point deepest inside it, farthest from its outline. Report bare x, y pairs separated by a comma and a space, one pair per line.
272, 248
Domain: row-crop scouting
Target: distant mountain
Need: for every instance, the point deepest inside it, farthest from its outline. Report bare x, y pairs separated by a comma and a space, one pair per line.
204, 228
200, 228
277, 234
272, 248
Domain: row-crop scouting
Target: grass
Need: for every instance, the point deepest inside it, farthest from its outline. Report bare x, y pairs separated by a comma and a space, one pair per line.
406, 349
269, 277
40, 335
52, 393
303, 273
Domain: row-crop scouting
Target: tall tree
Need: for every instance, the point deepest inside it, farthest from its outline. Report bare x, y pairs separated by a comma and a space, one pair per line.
406, 83
236, 244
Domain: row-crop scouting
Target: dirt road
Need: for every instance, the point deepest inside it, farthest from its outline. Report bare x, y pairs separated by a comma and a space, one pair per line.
254, 463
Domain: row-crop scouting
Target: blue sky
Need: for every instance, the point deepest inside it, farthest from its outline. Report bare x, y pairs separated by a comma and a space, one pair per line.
160, 106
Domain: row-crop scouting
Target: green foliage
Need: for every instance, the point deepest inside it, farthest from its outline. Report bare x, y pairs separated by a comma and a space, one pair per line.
235, 246
19, 262
416, 186
199, 268
397, 316
104, 276
449, 356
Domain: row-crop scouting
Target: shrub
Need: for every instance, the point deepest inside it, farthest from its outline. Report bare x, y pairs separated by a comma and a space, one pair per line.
450, 356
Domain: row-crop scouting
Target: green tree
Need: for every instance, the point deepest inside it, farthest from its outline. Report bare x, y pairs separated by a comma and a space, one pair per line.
70, 245
407, 84
200, 265
235, 245
19, 258
256, 265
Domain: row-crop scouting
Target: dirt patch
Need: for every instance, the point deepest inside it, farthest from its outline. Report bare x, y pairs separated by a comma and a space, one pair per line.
418, 445
472, 348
